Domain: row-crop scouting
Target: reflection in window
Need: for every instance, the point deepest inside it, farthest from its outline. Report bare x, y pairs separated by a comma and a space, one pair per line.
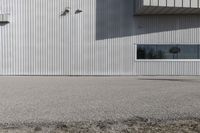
168, 52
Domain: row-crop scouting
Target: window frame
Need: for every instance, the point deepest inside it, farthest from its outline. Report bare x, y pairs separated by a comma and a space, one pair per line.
165, 60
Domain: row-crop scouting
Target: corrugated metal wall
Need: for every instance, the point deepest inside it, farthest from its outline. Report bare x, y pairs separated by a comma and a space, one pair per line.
99, 41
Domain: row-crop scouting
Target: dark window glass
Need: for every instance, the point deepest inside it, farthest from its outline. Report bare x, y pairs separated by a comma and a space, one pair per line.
163, 52
188, 52
168, 51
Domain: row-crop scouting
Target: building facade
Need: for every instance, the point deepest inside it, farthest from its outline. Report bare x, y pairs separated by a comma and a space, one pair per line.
99, 37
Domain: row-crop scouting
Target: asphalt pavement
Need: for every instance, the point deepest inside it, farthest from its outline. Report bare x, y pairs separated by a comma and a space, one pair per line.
63, 99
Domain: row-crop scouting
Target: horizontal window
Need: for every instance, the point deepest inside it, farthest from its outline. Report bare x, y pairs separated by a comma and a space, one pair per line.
145, 52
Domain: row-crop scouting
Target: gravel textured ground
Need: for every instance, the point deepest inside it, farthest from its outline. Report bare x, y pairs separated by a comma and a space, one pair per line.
68, 99
131, 125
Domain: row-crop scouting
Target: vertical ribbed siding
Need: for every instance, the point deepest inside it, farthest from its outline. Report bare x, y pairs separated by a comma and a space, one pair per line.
38, 41
168, 68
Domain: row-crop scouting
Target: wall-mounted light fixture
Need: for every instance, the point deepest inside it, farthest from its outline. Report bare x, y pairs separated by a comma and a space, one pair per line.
65, 12
78, 11
4, 18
